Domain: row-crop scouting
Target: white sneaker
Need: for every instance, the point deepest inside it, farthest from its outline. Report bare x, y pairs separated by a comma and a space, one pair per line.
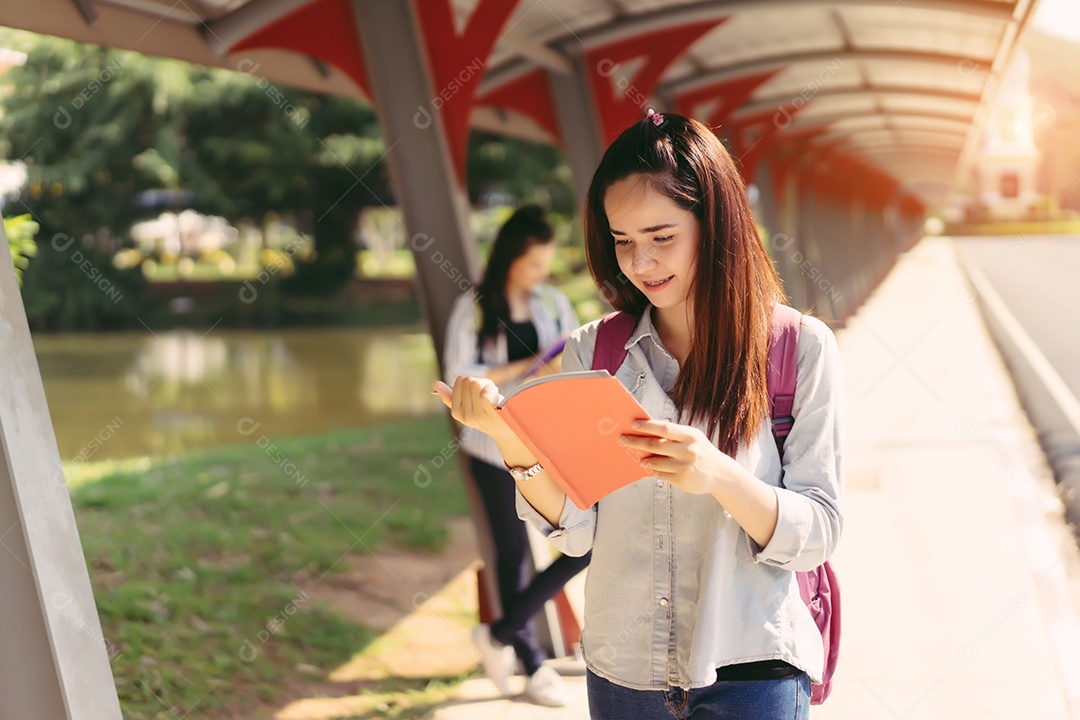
497, 659
545, 687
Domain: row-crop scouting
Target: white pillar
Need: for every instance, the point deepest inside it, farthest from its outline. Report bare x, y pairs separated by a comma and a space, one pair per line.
53, 661
578, 124
434, 205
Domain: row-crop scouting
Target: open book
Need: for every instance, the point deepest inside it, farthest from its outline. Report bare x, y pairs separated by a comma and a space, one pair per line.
572, 422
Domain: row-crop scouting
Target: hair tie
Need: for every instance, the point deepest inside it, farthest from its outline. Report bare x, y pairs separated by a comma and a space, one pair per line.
657, 118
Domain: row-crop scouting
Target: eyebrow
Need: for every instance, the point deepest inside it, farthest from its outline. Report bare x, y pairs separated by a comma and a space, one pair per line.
650, 229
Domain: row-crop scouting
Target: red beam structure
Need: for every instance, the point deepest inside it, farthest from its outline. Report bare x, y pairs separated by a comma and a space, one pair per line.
625, 72
323, 29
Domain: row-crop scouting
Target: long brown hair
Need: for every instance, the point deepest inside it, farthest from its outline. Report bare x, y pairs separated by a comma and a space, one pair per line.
735, 286
528, 226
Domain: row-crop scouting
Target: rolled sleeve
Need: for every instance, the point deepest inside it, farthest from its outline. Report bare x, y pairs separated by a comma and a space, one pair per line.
574, 536
809, 503
459, 352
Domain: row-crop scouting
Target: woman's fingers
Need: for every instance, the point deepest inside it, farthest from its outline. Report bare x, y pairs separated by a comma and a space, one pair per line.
470, 400
468, 393
445, 393
661, 454
458, 395
654, 445
661, 464
659, 428
489, 394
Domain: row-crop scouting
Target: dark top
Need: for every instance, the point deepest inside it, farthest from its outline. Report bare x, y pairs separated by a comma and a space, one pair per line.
762, 670
521, 340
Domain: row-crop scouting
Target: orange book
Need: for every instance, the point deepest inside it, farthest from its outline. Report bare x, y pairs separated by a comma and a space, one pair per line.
572, 422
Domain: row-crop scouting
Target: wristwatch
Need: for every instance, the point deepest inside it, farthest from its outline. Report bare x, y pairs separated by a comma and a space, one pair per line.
521, 474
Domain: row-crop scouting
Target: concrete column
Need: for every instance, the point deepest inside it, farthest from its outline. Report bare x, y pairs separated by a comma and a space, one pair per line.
882, 255
766, 210
435, 206
433, 202
53, 659
825, 245
863, 252
578, 124
778, 242
817, 249
791, 218
843, 261
805, 233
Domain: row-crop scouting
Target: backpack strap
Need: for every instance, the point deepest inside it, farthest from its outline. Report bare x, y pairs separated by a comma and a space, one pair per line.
819, 588
612, 335
783, 370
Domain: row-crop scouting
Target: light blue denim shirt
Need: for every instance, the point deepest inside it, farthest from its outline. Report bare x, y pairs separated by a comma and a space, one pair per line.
676, 588
552, 315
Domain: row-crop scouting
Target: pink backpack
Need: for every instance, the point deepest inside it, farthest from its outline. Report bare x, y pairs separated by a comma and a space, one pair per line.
819, 587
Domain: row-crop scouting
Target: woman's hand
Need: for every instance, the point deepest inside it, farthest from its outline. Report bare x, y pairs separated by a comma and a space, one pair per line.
472, 403
684, 457
680, 454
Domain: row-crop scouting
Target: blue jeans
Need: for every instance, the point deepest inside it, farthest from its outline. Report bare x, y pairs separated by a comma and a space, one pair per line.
782, 699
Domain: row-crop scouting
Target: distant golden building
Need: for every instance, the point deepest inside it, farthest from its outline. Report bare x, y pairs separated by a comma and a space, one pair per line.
1004, 174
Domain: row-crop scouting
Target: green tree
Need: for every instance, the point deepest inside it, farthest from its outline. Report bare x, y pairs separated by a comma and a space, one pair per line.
20, 231
94, 127
520, 170
256, 148
98, 127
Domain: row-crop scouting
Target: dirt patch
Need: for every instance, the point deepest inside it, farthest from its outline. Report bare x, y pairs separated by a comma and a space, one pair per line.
378, 590
422, 603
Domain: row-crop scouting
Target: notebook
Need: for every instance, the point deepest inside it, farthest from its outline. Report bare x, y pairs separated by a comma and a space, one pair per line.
572, 423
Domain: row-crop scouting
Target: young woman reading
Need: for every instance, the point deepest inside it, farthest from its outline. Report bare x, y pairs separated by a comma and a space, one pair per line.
692, 608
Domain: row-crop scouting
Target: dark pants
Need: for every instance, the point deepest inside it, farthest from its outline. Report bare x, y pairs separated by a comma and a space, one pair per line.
783, 699
521, 599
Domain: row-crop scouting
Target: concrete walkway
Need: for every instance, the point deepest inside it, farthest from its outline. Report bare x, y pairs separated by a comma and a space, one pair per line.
961, 583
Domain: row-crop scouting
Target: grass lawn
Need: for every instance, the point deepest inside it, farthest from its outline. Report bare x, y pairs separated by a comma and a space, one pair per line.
194, 560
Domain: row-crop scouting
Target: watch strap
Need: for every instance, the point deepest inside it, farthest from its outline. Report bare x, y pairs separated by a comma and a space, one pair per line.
524, 473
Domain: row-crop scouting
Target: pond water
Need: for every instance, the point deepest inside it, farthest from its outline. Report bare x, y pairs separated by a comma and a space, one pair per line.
123, 395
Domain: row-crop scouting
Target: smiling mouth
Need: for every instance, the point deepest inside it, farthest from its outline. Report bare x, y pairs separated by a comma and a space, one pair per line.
658, 283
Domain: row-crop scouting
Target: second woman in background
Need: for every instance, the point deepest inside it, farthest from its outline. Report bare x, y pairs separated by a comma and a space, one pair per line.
498, 332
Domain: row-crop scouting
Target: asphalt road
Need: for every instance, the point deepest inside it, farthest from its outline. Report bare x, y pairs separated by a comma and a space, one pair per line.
1036, 280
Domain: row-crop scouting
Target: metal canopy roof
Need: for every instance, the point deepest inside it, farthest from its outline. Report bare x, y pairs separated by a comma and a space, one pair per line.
853, 76
911, 74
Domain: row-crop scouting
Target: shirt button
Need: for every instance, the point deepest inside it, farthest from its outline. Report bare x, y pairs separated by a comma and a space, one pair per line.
663, 602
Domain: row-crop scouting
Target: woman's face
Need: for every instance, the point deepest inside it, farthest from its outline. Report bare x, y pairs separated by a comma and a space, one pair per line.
531, 269
656, 241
